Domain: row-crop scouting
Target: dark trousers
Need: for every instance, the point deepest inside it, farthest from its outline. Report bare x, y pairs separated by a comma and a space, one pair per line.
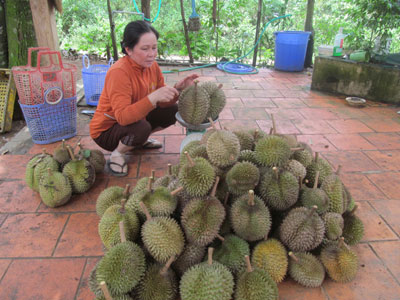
136, 134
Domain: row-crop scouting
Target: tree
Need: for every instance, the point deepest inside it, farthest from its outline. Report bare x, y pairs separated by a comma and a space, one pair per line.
3, 38
309, 27
146, 8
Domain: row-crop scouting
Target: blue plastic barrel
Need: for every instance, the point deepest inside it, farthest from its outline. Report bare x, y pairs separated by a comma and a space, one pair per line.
290, 50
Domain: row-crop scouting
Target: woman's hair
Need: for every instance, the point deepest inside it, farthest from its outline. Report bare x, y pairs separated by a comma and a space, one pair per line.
132, 33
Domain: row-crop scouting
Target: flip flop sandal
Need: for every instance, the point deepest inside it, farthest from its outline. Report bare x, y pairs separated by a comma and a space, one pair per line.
115, 173
151, 144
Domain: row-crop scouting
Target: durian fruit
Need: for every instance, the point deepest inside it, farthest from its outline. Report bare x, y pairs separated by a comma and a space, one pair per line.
333, 187
353, 229
223, 148
197, 177
195, 149
202, 218
296, 168
306, 269
250, 218
315, 196
349, 199
279, 190
271, 256
166, 179
340, 262
191, 255
95, 157
80, 173
302, 229
231, 251
161, 236
217, 99
248, 155
207, 280
257, 135
159, 202
206, 135
143, 183
54, 189
159, 283
333, 225
194, 103
122, 267
303, 155
110, 196
242, 177
272, 151
318, 164
246, 140
107, 295
109, 230
255, 284
61, 154
37, 166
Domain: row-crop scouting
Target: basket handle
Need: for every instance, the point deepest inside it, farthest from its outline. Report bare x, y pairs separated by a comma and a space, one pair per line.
55, 88
30, 50
85, 58
41, 53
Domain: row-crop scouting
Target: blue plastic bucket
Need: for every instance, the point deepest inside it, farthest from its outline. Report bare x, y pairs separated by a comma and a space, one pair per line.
290, 50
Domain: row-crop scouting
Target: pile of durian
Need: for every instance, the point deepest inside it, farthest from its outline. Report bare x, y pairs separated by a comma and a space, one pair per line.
57, 177
241, 211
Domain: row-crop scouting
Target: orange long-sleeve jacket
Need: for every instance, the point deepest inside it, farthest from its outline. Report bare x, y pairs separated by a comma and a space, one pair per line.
124, 98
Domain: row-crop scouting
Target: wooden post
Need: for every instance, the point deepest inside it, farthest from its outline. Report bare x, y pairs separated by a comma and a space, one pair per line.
44, 21
112, 26
257, 31
185, 29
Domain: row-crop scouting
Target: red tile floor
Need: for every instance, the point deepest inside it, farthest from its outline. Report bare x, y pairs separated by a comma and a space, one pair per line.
48, 253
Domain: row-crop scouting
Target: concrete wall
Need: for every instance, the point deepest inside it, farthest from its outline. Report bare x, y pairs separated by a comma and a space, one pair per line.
370, 81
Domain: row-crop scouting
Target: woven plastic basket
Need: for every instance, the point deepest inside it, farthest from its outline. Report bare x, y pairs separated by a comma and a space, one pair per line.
32, 82
7, 99
51, 121
93, 77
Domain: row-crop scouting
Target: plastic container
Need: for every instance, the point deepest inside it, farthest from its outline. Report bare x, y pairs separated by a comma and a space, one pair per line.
360, 56
338, 43
93, 77
290, 50
51, 121
325, 50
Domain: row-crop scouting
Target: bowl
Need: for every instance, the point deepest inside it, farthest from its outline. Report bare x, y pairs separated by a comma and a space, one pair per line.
356, 101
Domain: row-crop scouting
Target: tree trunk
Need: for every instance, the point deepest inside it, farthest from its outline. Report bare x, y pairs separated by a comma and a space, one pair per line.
146, 8
20, 31
308, 26
3, 38
260, 2
112, 26
186, 33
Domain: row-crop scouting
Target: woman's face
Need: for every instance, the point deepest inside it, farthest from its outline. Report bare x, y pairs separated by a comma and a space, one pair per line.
144, 52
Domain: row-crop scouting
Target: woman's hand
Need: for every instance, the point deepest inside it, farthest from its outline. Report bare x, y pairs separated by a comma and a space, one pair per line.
163, 94
184, 83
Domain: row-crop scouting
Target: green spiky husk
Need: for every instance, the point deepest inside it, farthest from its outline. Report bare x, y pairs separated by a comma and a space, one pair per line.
304, 156
246, 140
333, 187
191, 255
201, 220
217, 99
320, 165
310, 197
333, 225
54, 189
307, 271
353, 229
248, 155
272, 151
242, 177
163, 238
110, 196
122, 267
271, 256
296, 168
203, 281
223, 148
193, 105
256, 285
81, 175
36, 167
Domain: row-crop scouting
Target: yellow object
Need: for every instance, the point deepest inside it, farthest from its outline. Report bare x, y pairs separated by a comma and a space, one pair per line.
7, 99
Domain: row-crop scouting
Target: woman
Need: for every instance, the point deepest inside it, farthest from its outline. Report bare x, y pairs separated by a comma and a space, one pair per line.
135, 101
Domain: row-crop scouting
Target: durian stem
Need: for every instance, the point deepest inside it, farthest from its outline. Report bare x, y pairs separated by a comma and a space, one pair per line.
214, 189
275, 169
316, 156
296, 148
210, 254
176, 191
150, 183
123, 202
271, 131
256, 134
273, 124
354, 210
122, 231
63, 144
251, 198
343, 244
164, 269
49, 171
169, 169
248, 264
126, 191
146, 212
313, 209
191, 162
153, 174
212, 123
105, 291
339, 168
291, 254
220, 86
226, 199
79, 145
316, 180
71, 153
220, 237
